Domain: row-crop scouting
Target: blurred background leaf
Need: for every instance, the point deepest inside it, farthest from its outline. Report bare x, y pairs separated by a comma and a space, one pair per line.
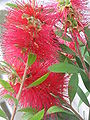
3, 13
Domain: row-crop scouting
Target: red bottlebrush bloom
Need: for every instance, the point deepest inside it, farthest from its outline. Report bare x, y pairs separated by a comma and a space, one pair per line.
72, 17
41, 96
31, 30
79, 4
82, 7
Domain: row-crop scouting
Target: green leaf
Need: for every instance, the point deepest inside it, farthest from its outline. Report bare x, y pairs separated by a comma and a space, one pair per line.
28, 112
28, 109
87, 32
87, 58
85, 80
2, 70
65, 116
80, 102
73, 85
62, 58
82, 96
39, 81
79, 62
7, 96
38, 116
3, 63
2, 114
64, 68
56, 109
66, 49
67, 38
57, 97
3, 13
31, 59
27, 116
83, 50
6, 85
11, 5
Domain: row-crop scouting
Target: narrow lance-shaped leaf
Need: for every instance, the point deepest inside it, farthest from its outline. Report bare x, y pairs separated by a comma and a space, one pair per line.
83, 50
2, 70
67, 38
56, 109
80, 102
31, 59
39, 81
64, 68
27, 116
2, 114
6, 85
65, 116
7, 96
4, 63
28, 113
64, 113
85, 80
38, 116
87, 58
13, 71
62, 58
82, 96
73, 85
28, 109
11, 5
87, 32
57, 97
66, 49
79, 62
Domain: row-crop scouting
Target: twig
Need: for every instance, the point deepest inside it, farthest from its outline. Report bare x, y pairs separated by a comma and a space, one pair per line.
69, 105
76, 113
23, 79
82, 60
73, 110
20, 90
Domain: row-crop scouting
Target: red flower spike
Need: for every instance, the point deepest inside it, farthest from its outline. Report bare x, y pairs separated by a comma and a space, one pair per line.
31, 30
22, 35
41, 96
79, 4
73, 17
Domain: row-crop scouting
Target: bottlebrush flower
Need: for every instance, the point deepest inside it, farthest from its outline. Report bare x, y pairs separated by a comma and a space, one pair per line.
79, 4
31, 30
82, 7
41, 95
72, 17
